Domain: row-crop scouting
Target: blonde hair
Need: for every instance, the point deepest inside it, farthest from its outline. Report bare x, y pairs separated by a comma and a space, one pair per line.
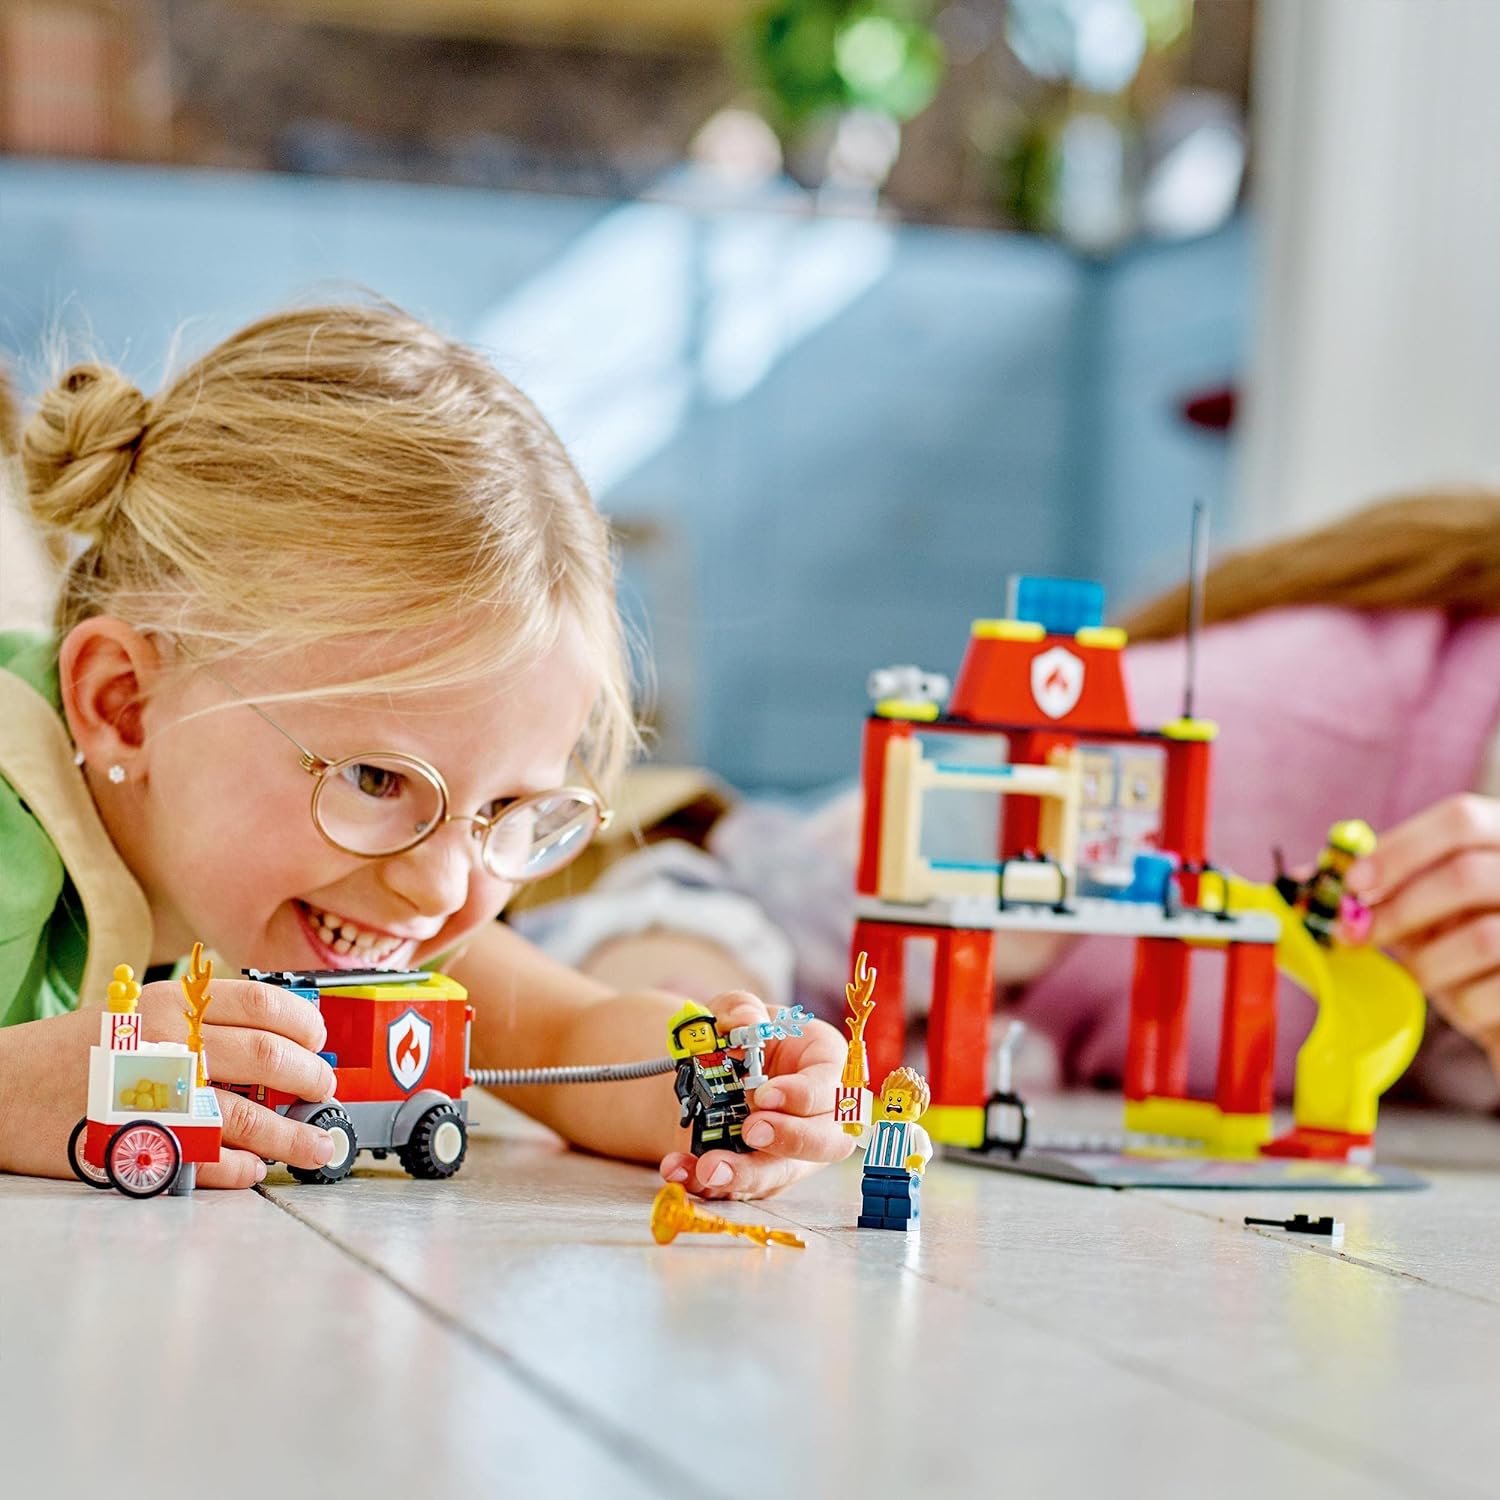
9, 416
1436, 551
331, 474
909, 1078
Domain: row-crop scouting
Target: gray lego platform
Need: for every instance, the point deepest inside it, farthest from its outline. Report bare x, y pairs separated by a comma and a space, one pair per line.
1114, 1168
1085, 914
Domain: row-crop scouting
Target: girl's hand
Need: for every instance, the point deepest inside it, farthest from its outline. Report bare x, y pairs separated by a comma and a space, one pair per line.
791, 1123
1433, 886
256, 1034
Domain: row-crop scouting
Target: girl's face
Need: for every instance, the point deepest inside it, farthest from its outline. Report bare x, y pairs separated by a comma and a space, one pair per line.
215, 819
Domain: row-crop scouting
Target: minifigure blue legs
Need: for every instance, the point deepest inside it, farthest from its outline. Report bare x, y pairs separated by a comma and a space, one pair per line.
892, 1198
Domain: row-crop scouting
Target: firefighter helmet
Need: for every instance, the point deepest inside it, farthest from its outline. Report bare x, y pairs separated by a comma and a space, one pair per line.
689, 1015
1352, 836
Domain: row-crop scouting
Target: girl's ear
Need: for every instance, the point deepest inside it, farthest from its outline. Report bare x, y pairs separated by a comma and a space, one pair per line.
106, 671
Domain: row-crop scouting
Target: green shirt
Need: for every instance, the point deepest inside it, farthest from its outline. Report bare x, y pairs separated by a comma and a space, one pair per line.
43, 934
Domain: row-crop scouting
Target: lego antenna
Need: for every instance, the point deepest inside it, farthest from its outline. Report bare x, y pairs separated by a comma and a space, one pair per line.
1197, 566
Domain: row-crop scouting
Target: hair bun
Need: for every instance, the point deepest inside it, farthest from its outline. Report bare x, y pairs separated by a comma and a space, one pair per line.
79, 447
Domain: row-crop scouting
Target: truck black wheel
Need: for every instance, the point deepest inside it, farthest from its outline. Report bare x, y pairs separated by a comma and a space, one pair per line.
345, 1142
438, 1143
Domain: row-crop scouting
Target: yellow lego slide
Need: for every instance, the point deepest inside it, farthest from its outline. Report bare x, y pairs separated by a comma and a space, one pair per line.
1370, 1019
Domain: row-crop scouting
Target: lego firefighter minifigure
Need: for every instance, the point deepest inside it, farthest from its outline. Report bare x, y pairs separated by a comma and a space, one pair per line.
709, 1081
897, 1150
1321, 898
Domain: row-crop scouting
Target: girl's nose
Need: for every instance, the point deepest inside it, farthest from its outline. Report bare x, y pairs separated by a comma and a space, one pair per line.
433, 878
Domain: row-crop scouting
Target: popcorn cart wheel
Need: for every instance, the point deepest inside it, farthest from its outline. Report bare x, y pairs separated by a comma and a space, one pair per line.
345, 1147
142, 1158
437, 1145
83, 1169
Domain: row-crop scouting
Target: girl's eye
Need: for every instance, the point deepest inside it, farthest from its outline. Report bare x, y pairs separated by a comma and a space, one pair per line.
374, 781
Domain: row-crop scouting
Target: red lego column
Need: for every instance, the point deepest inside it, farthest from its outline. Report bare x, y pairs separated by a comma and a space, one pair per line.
878, 733
1247, 1041
1156, 1053
1022, 815
1021, 825
885, 1031
1184, 813
958, 1031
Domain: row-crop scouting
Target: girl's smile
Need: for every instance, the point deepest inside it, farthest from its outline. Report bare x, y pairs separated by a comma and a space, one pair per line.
339, 942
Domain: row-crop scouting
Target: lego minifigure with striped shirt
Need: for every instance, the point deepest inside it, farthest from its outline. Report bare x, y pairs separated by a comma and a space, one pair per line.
897, 1150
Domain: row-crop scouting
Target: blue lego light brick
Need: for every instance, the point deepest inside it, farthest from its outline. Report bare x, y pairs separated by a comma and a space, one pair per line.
1061, 606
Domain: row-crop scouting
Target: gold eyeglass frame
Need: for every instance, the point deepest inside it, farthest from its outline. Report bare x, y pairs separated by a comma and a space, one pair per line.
319, 767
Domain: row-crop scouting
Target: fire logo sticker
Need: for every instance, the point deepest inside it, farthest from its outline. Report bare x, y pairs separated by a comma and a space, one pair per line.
1056, 682
408, 1048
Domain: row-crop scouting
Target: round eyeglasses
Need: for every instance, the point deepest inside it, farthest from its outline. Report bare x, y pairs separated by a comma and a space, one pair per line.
381, 803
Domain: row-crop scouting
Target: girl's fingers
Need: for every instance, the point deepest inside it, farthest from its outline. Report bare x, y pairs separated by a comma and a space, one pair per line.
272, 1136
809, 1091
1456, 955
818, 1139
1473, 1009
764, 1175
1468, 821
237, 1003
238, 1055
732, 1174
738, 1008
677, 1166
268, 1007
1468, 880
234, 1169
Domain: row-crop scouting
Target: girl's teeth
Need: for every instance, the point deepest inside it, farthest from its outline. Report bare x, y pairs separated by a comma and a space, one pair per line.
345, 937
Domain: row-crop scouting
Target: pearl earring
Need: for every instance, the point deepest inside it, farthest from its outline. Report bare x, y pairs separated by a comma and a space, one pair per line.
116, 773
78, 757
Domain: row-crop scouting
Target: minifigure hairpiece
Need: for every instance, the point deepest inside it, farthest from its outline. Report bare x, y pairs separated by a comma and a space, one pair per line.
910, 1078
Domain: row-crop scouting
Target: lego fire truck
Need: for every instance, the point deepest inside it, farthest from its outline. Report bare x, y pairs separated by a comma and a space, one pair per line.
398, 1044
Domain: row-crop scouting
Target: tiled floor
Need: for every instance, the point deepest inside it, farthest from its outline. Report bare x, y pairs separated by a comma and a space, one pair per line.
515, 1331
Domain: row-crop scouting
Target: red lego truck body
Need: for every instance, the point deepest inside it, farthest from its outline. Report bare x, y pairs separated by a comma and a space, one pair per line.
398, 1044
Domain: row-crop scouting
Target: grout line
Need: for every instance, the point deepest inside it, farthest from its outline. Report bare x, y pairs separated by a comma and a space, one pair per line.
1306, 1243
1285, 1427
1383, 1468
619, 1442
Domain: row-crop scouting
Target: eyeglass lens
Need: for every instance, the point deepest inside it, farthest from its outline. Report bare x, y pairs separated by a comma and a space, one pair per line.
377, 805
539, 835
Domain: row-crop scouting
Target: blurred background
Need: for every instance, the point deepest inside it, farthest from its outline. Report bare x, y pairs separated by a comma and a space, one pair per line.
847, 308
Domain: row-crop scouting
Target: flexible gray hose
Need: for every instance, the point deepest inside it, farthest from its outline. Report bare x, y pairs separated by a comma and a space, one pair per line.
510, 1078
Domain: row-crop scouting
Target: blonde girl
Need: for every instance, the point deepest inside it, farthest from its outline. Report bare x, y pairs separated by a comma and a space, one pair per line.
336, 666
